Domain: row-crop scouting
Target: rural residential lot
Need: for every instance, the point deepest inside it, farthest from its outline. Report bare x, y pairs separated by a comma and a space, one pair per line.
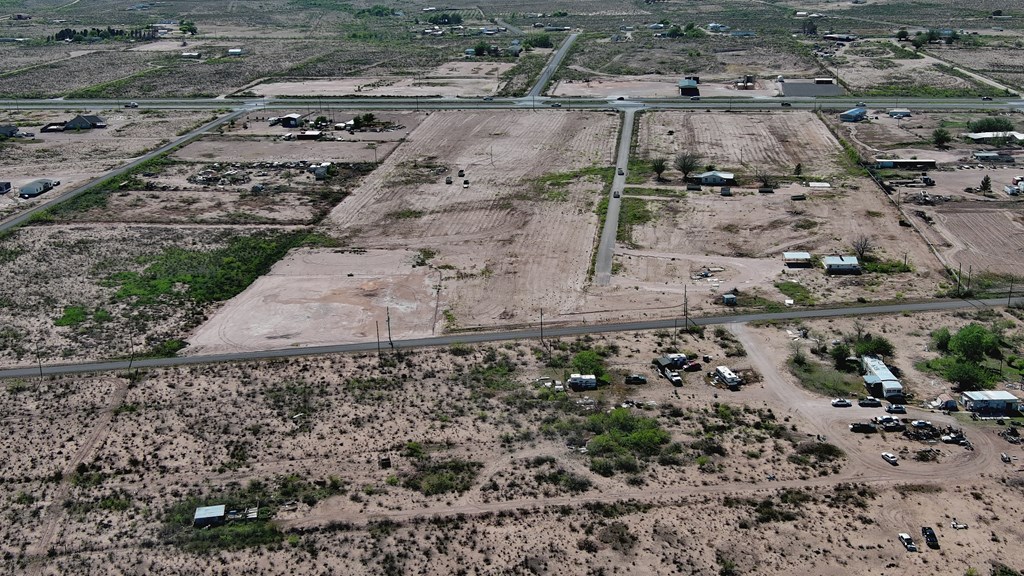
199, 200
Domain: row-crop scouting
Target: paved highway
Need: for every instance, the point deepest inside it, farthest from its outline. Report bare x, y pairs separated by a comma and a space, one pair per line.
483, 337
412, 103
553, 64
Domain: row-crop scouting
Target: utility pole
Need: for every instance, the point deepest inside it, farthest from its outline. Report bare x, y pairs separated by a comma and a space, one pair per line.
686, 311
390, 341
1009, 295
959, 272
542, 326
380, 359
970, 269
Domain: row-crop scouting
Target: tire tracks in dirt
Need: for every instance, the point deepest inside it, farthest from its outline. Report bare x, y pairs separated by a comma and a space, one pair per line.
53, 513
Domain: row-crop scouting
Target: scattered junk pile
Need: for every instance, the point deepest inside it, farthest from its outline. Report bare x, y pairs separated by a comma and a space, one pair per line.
220, 175
1011, 435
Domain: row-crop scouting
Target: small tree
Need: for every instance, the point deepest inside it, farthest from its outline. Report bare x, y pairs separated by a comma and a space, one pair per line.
766, 179
799, 169
687, 162
862, 246
810, 28
840, 352
941, 137
986, 184
902, 35
188, 27
659, 165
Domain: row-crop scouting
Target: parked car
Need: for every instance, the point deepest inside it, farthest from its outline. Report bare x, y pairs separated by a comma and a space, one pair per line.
462, 173
448, 180
921, 424
929, 537
674, 378
465, 183
620, 172
896, 409
863, 428
869, 402
692, 367
841, 403
957, 525
636, 379
890, 458
907, 542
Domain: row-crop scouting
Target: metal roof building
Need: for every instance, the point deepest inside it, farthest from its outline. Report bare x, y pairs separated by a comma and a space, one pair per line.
841, 264
35, 188
989, 401
209, 516
879, 375
854, 115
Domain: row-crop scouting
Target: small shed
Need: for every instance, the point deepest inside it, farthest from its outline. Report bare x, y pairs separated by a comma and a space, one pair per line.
854, 115
310, 135
901, 112
841, 265
797, 259
716, 178
729, 299
209, 516
989, 401
688, 88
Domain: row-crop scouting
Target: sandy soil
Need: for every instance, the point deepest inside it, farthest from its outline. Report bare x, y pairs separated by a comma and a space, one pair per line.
451, 80
492, 242
653, 86
254, 149
147, 446
775, 142
76, 158
867, 71
742, 238
980, 236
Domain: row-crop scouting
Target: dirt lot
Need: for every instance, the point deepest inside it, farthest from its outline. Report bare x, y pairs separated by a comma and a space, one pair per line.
741, 239
980, 236
451, 79
492, 241
306, 436
653, 86
775, 142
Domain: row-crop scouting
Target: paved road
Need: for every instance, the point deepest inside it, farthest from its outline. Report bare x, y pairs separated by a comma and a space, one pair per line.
483, 337
606, 246
553, 64
23, 217
412, 103
512, 29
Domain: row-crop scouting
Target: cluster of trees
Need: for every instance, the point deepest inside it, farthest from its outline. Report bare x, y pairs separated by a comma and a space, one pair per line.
685, 162
688, 31
81, 35
485, 49
188, 27
539, 40
922, 38
364, 120
965, 353
863, 344
445, 19
376, 10
941, 137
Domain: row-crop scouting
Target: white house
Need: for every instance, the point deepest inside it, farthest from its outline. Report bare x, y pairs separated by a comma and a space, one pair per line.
716, 178
841, 265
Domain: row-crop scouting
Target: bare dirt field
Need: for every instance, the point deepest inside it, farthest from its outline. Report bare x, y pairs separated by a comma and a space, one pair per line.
775, 142
741, 239
451, 79
880, 67
983, 236
264, 149
495, 243
482, 464
653, 86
